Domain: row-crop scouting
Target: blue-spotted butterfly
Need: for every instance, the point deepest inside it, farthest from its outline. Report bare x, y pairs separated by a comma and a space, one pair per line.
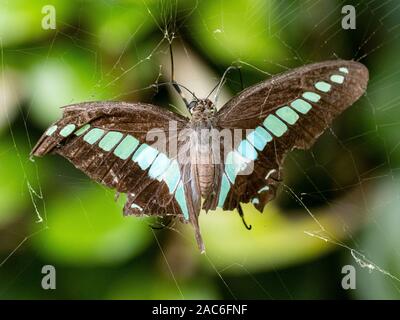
109, 142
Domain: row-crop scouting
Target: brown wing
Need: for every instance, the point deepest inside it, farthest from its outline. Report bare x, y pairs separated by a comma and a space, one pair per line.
289, 111
102, 139
109, 141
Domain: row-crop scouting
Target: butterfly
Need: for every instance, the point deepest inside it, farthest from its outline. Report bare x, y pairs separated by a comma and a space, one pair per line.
109, 141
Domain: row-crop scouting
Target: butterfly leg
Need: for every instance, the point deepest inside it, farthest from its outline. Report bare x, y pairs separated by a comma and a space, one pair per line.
161, 225
241, 79
241, 214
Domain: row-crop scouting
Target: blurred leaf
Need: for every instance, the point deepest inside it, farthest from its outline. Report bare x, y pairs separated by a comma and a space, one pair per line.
120, 27
67, 76
228, 30
380, 242
147, 285
385, 102
87, 228
10, 96
21, 21
275, 240
14, 171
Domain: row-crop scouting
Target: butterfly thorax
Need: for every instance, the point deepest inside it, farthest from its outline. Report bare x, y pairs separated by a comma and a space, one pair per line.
203, 111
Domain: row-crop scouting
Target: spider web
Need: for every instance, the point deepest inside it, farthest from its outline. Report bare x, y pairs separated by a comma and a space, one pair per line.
174, 24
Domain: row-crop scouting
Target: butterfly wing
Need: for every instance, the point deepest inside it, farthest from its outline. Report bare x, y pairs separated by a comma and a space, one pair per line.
109, 141
288, 111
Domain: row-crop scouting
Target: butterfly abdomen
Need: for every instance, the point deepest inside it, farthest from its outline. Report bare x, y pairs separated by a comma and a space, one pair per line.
206, 178
203, 158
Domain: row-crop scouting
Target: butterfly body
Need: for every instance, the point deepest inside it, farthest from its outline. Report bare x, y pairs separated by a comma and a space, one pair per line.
225, 157
201, 123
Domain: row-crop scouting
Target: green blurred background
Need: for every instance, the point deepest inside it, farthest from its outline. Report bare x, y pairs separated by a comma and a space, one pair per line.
51, 214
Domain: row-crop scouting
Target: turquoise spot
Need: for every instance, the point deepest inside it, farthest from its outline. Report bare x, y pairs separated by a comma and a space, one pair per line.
337, 78
126, 147
144, 156
266, 188
247, 150
93, 135
322, 86
82, 130
311, 96
180, 197
172, 176
67, 130
225, 186
230, 167
344, 70
259, 138
51, 130
110, 140
301, 106
159, 166
287, 114
276, 126
255, 201
234, 163
135, 206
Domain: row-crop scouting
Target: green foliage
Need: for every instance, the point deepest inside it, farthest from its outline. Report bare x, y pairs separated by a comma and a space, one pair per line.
232, 30
20, 20
65, 76
142, 284
14, 172
379, 240
85, 231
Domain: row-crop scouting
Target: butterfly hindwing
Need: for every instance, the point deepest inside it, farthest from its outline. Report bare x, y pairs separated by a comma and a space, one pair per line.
288, 111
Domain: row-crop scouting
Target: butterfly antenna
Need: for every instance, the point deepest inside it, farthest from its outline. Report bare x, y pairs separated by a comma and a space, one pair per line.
241, 214
174, 83
222, 81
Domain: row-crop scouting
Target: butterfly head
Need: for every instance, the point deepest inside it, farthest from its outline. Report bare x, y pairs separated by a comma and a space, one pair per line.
202, 109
